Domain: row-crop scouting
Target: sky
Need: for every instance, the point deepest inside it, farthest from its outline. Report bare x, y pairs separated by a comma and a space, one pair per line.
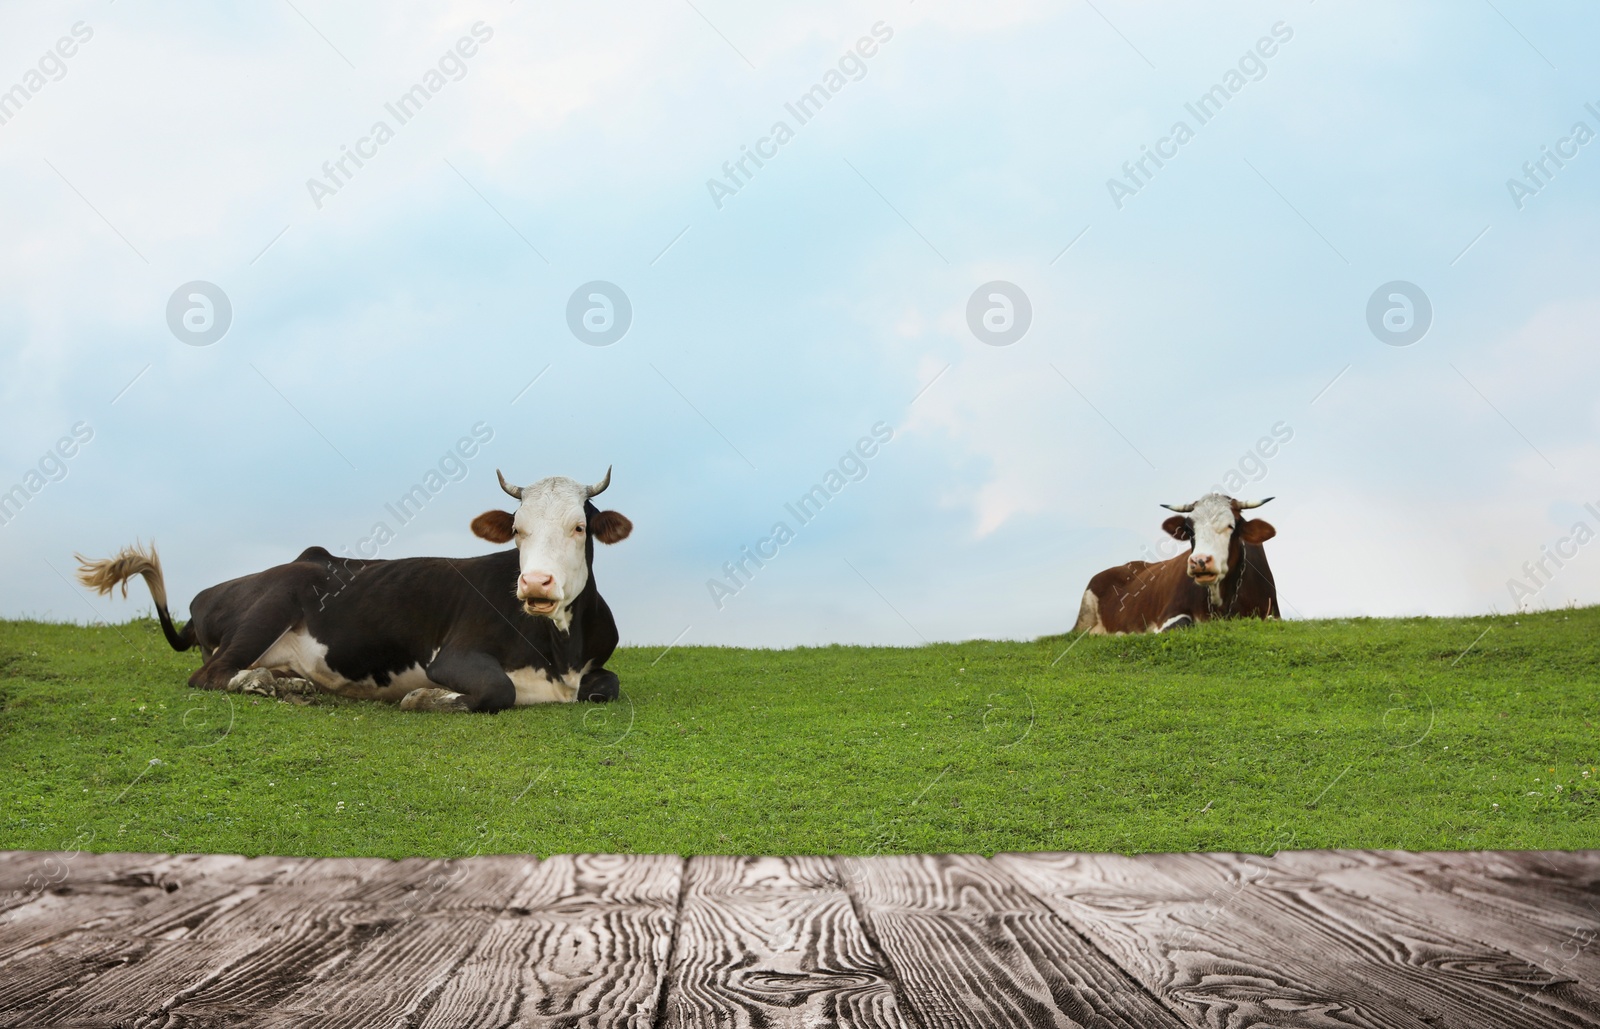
1359, 279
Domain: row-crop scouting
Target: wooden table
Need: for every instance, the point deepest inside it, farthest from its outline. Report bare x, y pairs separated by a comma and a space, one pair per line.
1382, 939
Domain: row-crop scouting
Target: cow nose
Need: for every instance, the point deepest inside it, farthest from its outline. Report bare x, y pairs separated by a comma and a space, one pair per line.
535, 583
1202, 564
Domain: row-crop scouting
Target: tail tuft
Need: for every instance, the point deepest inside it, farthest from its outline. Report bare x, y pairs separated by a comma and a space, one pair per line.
106, 575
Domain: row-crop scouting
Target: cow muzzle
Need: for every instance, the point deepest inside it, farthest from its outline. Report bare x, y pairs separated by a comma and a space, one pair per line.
1203, 569
539, 592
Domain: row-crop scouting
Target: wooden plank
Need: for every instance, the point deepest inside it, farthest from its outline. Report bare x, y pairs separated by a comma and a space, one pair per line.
1346, 938
104, 961
32, 874
1557, 888
1229, 946
1512, 917
584, 941
368, 944
26, 867
270, 937
145, 972
774, 942
971, 948
79, 928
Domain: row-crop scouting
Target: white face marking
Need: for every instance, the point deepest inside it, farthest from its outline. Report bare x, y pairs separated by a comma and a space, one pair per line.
549, 530
1212, 519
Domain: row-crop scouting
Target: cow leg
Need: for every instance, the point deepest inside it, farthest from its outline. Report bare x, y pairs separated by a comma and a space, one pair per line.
599, 685
471, 681
259, 630
1176, 622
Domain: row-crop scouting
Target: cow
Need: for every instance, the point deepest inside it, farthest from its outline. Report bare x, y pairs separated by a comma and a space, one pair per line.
516, 627
1224, 575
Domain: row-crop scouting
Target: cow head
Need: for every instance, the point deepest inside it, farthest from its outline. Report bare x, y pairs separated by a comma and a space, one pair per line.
554, 527
1218, 533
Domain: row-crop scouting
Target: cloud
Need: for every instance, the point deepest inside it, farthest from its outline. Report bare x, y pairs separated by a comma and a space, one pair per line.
829, 293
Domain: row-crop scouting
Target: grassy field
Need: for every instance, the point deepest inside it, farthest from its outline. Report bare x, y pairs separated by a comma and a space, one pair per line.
1417, 734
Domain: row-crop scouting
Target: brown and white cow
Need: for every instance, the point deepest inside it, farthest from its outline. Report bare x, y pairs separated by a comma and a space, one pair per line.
1224, 575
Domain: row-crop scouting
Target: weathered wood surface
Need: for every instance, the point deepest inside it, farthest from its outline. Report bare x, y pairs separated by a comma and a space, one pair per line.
770, 941
1231, 941
973, 949
1203, 941
584, 942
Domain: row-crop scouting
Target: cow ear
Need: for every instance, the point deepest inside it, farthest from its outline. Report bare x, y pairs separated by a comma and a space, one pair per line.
610, 526
1178, 528
1256, 531
494, 526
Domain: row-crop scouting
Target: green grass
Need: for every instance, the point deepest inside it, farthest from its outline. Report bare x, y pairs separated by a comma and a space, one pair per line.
1413, 733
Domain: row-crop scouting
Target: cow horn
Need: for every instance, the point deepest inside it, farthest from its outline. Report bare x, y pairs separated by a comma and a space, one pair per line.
600, 487
1245, 505
515, 491
1180, 508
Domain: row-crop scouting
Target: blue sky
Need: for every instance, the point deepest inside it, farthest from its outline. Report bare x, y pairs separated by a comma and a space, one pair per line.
1228, 296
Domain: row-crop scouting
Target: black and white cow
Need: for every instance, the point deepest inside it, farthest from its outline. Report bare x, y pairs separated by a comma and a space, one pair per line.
522, 626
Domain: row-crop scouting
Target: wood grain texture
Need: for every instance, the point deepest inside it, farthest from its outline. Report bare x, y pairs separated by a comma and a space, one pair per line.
1515, 915
1324, 939
971, 948
110, 914
1231, 945
1557, 888
261, 935
774, 942
371, 948
583, 942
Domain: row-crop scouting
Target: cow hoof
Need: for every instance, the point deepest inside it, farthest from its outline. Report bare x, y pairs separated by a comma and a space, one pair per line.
265, 683
291, 685
429, 698
252, 680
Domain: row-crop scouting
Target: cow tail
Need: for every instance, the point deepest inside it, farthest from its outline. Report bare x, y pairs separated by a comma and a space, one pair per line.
105, 575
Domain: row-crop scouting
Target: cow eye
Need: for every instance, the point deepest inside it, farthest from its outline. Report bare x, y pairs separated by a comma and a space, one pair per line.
578, 528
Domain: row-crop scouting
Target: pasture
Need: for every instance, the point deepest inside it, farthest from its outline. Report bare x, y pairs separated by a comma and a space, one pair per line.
1407, 733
